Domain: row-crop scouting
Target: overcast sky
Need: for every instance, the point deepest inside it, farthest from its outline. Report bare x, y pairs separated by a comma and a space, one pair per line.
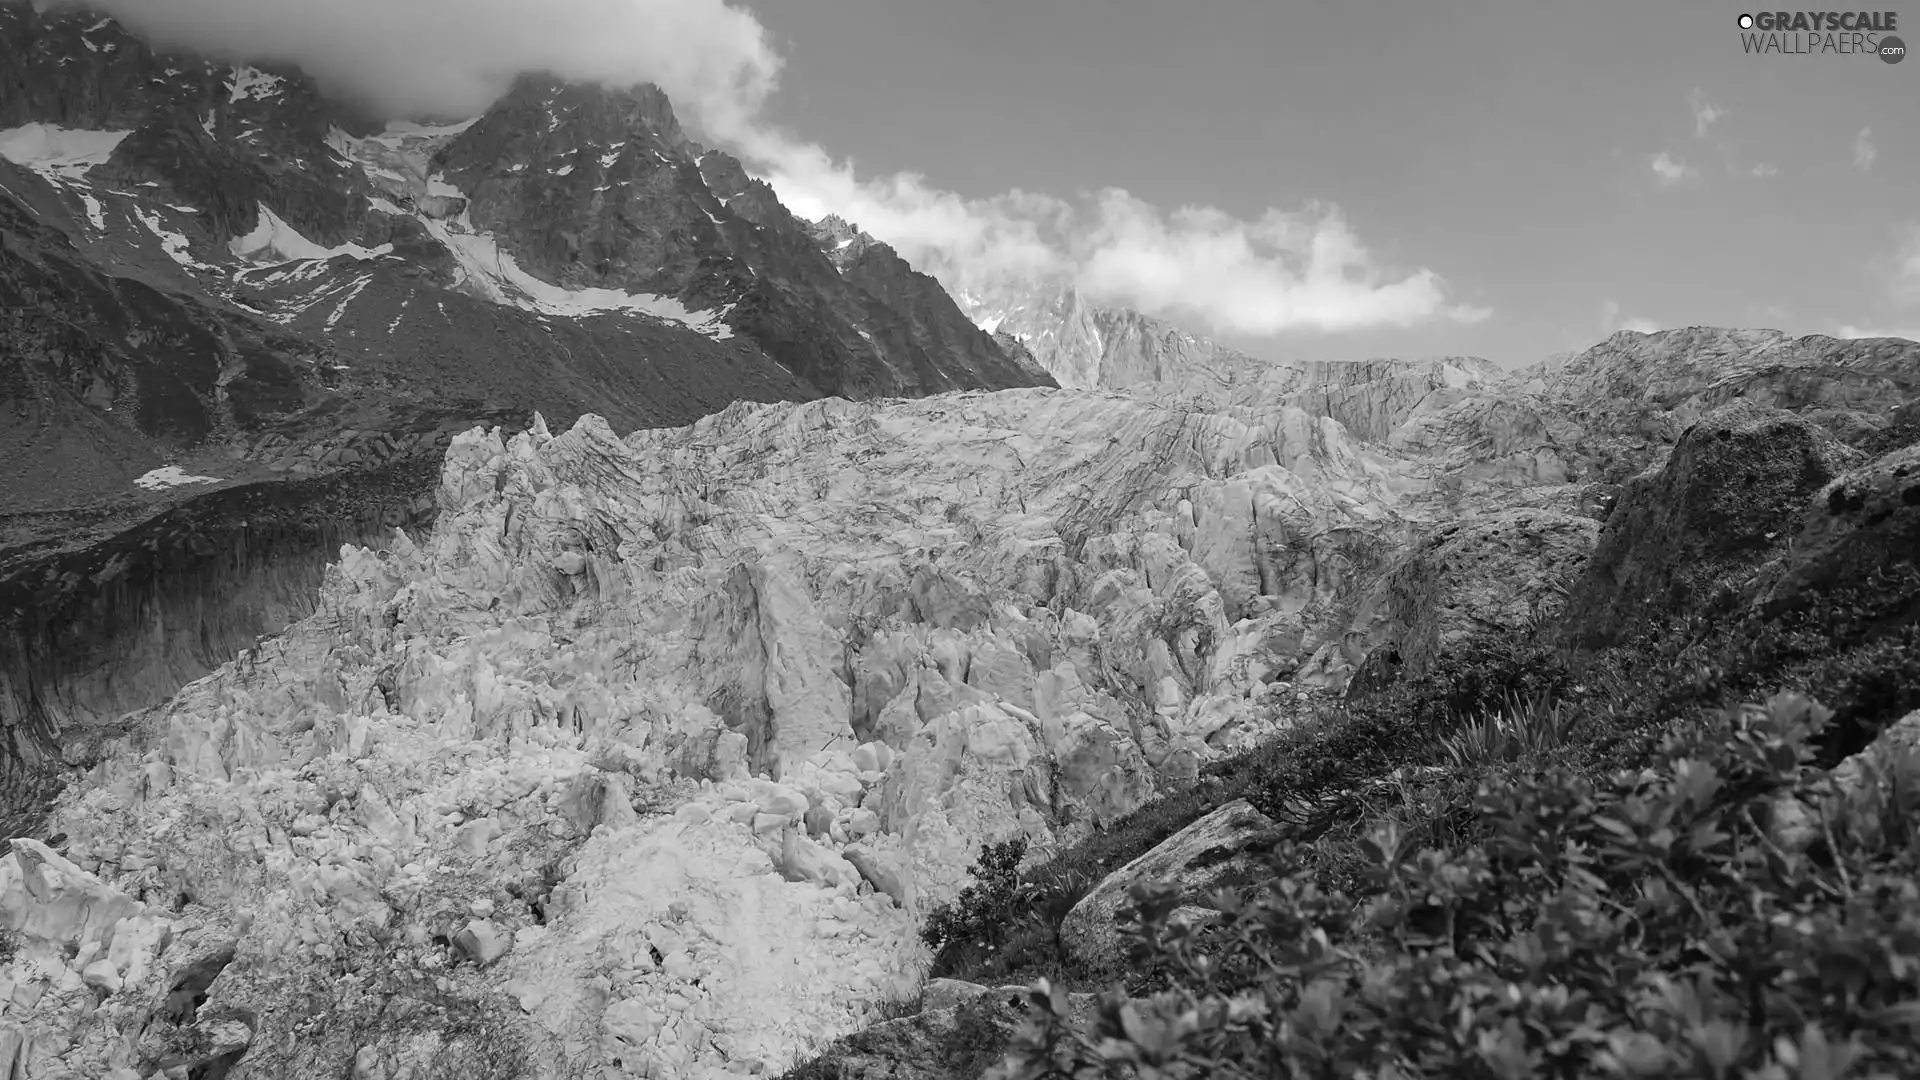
1505, 178
1572, 167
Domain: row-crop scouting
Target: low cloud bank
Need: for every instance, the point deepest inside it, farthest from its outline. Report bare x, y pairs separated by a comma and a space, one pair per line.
1283, 271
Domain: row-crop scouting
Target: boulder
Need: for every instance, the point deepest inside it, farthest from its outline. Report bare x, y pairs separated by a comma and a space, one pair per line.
1691, 534
483, 941
1867, 518
1220, 849
1794, 825
1496, 573
878, 870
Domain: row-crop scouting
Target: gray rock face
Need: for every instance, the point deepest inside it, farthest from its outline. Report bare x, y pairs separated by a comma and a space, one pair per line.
1695, 531
1497, 574
1866, 519
1893, 756
1221, 848
597, 188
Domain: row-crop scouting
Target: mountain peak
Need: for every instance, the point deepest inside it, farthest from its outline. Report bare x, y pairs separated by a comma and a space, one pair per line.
842, 240
546, 103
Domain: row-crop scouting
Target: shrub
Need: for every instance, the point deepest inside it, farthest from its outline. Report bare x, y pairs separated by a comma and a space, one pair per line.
1648, 925
981, 909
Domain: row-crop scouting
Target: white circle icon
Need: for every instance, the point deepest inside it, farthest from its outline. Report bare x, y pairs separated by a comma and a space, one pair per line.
1746, 22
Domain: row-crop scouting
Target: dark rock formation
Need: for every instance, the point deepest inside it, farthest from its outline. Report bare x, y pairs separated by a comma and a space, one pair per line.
595, 187
1691, 535
1867, 520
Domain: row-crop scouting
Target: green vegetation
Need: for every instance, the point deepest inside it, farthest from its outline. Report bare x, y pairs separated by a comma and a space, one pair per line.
1644, 926
959, 1046
1415, 755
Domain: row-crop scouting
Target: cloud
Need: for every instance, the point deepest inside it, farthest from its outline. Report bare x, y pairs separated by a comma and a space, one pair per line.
1762, 171
1903, 269
1900, 271
1612, 323
1911, 333
1671, 171
1303, 270
1279, 270
452, 58
1704, 112
1863, 149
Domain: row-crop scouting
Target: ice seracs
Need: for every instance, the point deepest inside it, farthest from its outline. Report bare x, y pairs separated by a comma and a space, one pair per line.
676, 737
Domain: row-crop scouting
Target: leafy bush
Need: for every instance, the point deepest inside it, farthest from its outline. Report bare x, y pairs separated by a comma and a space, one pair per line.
1648, 925
980, 910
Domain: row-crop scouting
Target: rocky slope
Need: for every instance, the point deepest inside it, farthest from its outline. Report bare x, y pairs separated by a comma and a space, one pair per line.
217, 285
650, 756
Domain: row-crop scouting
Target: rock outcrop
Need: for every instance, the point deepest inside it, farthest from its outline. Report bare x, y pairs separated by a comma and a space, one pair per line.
1890, 763
1502, 574
1693, 534
1865, 521
1223, 849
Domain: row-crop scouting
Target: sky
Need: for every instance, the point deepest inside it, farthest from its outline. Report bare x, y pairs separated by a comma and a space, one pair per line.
1319, 180
1568, 168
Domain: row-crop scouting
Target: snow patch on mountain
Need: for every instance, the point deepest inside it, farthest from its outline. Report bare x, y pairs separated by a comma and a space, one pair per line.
275, 241
95, 212
177, 246
341, 309
495, 275
58, 152
250, 83
168, 476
